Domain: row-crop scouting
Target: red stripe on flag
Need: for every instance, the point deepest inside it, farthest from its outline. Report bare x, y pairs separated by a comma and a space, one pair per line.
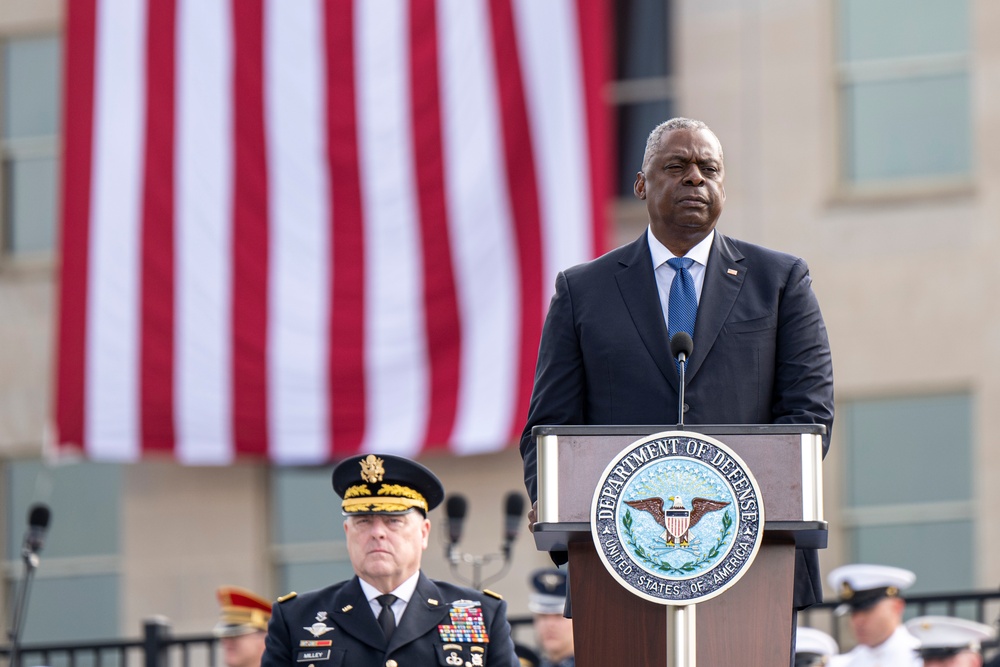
250, 234
156, 375
78, 126
523, 188
347, 311
444, 334
595, 52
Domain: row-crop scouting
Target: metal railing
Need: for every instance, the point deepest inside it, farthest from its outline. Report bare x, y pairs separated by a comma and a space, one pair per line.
158, 648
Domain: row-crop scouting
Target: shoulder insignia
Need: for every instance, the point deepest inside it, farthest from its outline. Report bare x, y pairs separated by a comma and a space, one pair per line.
289, 596
493, 594
347, 608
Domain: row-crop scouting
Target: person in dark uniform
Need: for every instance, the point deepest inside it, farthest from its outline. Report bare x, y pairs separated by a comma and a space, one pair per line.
553, 630
526, 656
389, 614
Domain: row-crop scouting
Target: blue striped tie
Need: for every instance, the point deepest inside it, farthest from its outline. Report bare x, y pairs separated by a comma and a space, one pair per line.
683, 305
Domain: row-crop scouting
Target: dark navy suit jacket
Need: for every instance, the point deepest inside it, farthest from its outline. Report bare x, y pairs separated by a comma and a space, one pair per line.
349, 634
761, 353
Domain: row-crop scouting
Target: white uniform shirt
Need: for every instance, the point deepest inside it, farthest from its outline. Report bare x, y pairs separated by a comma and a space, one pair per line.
896, 651
403, 595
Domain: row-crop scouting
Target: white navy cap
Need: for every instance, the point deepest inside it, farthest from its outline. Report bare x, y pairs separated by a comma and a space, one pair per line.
860, 585
814, 644
944, 636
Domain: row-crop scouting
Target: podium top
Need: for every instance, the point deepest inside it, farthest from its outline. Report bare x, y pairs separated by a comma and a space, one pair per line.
707, 429
786, 460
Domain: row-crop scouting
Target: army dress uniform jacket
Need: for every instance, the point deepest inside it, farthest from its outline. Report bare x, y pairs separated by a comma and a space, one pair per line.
443, 624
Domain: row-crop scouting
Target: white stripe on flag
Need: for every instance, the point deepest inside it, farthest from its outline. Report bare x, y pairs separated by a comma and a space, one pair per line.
112, 383
395, 337
204, 183
548, 44
299, 230
486, 271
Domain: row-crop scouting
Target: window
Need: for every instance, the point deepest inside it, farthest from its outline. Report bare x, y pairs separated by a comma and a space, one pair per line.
307, 534
904, 91
643, 90
80, 569
30, 105
908, 475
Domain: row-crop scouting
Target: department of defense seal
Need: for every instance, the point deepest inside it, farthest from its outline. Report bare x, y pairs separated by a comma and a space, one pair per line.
677, 517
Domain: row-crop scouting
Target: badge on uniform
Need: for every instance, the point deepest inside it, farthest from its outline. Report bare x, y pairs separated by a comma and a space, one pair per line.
458, 655
463, 635
466, 624
319, 628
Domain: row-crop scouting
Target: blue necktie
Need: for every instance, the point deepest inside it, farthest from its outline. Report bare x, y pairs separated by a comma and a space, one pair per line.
683, 305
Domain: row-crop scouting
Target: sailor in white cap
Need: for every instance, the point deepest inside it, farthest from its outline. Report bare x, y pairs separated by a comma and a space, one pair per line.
946, 641
813, 648
871, 594
547, 603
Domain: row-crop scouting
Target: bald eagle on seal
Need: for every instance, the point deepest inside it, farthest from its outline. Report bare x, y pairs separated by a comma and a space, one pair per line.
677, 521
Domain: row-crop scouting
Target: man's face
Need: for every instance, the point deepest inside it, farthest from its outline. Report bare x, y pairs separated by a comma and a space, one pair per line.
385, 549
682, 184
963, 659
243, 650
555, 635
874, 625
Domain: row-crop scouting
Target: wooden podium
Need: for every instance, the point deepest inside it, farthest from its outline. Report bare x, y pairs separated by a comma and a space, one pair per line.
750, 624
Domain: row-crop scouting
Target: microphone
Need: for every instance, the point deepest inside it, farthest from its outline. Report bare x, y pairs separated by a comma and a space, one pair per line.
38, 524
455, 509
681, 347
513, 510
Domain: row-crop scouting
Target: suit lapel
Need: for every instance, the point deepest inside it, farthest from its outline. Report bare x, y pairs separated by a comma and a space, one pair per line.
423, 613
723, 281
637, 285
353, 614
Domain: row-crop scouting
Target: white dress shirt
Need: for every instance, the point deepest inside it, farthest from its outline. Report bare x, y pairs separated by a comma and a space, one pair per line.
665, 274
403, 594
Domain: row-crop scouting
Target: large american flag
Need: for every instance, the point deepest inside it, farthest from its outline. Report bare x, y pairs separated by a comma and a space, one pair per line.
297, 229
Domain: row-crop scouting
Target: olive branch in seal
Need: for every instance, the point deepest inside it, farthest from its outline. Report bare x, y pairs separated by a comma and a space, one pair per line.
686, 568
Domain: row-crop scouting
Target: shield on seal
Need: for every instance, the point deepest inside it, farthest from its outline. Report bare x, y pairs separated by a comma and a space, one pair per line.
676, 522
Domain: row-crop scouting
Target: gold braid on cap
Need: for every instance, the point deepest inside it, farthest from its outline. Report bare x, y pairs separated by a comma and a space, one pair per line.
359, 490
401, 499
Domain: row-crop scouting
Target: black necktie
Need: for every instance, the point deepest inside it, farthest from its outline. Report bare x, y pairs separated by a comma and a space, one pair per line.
386, 618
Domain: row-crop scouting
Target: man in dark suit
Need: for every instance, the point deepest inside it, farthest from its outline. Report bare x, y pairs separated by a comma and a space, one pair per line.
761, 353
389, 614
